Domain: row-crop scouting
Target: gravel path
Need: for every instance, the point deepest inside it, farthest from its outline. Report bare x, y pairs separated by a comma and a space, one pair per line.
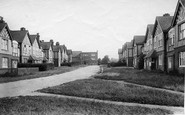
25, 87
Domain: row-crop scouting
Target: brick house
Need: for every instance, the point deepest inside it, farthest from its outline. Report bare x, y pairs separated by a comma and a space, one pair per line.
150, 58
23, 38
77, 57
129, 54
47, 50
90, 58
37, 53
9, 51
70, 55
178, 34
138, 43
57, 54
160, 33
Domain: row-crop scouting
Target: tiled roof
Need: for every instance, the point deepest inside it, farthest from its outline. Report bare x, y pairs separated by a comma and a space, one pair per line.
150, 28
32, 38
2, 26
19, 35
119, 51
76, 53
69, 52
56, 48
139, 39
45, 45
130, 44
165, 22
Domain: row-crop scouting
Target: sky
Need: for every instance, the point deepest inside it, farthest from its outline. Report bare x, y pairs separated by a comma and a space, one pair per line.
85, 25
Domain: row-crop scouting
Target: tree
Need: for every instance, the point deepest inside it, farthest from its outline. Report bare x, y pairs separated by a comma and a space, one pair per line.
99, 61
105, 59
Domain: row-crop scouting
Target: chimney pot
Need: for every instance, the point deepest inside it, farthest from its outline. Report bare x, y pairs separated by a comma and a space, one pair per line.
166, 14
23, 28
57, 43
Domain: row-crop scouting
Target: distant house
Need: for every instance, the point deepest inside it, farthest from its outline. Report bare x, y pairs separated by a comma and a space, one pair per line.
176, 40
129, 54
90, 58
64, 54
120, 54
48, 51
160, 33
77, 57
150, 58
57, 54
9, 50
138, 43
70, 55
23, 38
37, 53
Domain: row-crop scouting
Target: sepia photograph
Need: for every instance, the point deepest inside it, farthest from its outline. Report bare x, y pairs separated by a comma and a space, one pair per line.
92, 57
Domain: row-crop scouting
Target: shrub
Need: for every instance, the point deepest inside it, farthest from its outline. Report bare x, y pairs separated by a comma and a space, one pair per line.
42, 67
117, 64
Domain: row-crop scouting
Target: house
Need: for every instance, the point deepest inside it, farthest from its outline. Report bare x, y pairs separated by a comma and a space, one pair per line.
23, 38
90, 58
124, 51
120, 54
47, 50
129, 54
176, 40
70, 55
138, 43
150, 58
77, 57
57, 54
9, 51
37, 53
64, 54
160, 33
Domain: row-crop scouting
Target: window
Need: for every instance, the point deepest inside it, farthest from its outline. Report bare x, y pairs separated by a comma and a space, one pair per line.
93, 55
4, 44
169, 62
4, 62
182, 31
25, 60
160, 59
14, 64
182, 59
160, 42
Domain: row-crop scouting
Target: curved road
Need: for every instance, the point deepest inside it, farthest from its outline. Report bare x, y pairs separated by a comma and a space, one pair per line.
27, 87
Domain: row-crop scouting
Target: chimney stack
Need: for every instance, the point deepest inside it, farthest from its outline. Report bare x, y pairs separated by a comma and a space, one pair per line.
38, 36
51, 41
23, 28
166, 14
57, 43
1, 19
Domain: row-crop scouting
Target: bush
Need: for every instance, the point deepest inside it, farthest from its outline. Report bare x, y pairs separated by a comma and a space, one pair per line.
42, 67
66, 64
117, 64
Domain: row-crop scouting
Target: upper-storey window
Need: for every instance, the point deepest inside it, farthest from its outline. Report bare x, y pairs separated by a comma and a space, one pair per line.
4, 44
182, 31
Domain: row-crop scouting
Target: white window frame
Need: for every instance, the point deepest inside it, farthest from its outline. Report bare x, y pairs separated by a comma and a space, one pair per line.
182, 59
5, 62
160, 59
4, 44
182, 31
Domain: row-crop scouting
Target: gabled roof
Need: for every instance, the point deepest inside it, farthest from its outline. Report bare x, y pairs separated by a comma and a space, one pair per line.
69, 52
180, 2
35, 37
76, 53
139, 39
5, 25
45, 45
149, 29
164, 22
56, 48
19, 35
130, 44
119, 51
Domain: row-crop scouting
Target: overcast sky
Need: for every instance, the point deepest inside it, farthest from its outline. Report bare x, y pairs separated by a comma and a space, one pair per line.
85, 25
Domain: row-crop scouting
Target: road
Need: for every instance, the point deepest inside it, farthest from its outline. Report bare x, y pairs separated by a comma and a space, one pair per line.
27, 87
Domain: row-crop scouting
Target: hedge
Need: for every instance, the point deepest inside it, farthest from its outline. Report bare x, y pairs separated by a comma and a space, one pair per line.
42, 67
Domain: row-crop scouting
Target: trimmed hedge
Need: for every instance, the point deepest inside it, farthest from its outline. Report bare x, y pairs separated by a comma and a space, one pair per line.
117, 64
42, 67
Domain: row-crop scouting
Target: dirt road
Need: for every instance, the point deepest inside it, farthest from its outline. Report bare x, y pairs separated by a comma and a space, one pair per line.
26, 87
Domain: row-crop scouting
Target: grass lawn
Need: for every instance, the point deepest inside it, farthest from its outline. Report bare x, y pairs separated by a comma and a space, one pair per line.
40, 105
116, 91
56, 70
144, 77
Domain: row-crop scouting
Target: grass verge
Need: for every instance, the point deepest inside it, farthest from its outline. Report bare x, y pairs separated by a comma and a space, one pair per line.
62, 106
116, 91
56, 70
144, 77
